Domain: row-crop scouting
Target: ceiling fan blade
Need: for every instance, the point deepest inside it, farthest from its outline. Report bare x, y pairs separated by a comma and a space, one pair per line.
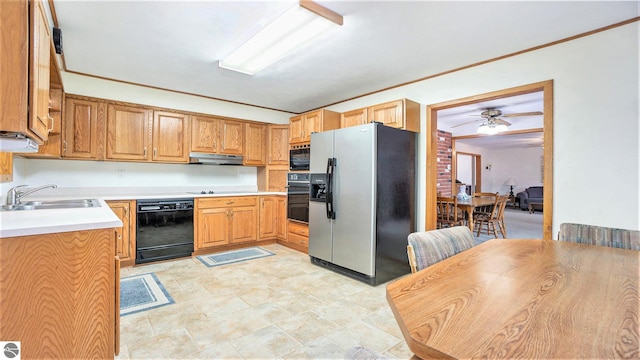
465, 123
501, 122
532, 113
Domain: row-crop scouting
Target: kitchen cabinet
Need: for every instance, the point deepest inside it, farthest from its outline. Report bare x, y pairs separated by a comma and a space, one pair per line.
255, 149
268, 217
217, 135
225, 220
128, 134
6, 167
301, 126
401, 114
171, 137
278, 145
60, 294
125, 235
353, 118
297, 236
25, 67
83, 128
281, 211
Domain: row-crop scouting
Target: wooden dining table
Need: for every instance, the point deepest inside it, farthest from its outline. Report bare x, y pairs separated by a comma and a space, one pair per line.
532, 299
472, 203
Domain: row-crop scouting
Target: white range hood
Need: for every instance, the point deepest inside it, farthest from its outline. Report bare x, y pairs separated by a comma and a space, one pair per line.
17, 144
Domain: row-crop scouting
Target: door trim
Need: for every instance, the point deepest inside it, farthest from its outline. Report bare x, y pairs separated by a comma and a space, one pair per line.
431, 157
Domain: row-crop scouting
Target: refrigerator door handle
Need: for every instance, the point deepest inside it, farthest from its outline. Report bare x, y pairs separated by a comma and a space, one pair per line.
331, 163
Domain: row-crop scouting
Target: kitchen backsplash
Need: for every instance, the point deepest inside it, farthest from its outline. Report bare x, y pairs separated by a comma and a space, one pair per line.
104, 174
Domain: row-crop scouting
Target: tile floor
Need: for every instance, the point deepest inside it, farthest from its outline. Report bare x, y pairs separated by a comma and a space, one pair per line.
276, 307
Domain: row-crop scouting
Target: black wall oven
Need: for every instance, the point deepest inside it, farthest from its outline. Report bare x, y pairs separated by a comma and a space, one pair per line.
164, 229
298, 197
299, 157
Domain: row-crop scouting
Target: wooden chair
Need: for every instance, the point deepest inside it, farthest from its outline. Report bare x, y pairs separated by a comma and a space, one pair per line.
448, 213
600, 235
429, 247
495, 219
484, 209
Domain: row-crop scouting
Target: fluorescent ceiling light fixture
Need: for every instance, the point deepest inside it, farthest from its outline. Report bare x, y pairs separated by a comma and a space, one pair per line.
294, 27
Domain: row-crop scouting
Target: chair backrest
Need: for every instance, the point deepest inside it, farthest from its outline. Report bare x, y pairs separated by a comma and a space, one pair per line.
600, 235
501, 203
429, 247
488, 208
447, 208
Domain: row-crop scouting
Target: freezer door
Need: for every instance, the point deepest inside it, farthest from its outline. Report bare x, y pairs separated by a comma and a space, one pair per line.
354, 199
320, 227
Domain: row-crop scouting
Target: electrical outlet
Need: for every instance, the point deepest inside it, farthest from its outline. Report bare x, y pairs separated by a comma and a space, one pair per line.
120, 174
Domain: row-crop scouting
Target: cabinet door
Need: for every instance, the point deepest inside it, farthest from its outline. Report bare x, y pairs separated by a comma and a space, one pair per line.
353, 118
204, 134
231, 137
281, 214
296, 129
80, 137
39, 122
244, 224
278, 145
256, 146
127, 132
125, 247
390, 114
212, 227
268, 217
171, 134
312, 123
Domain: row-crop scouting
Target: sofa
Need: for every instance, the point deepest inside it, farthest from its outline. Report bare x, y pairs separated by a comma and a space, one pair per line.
531, 194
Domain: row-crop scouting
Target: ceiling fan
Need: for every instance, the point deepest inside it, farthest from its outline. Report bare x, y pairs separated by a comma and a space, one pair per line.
492, 120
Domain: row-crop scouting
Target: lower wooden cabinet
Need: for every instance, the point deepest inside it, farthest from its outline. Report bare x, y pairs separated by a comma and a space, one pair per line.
60, 294
126, 235
225, 220
268, 217
297, 236
281, 211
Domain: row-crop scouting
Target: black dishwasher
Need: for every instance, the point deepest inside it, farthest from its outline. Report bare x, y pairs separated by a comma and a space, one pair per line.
164, 229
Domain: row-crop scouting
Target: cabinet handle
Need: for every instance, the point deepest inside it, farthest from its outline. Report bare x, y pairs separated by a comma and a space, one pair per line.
64, 147
230, 202
155, 151
144, 154
231, 211
51, 120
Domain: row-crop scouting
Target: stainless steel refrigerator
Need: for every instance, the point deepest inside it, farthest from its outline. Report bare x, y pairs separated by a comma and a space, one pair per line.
362, 201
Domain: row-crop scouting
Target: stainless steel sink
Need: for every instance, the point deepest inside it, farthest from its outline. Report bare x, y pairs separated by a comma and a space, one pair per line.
53, 204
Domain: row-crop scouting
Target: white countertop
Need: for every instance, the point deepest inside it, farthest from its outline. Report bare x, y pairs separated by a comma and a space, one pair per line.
35, 222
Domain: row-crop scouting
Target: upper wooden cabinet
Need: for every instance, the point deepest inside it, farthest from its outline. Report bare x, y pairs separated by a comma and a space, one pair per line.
353, 118
127, 132
25, 68
301, 126
217, 135
170, 140
82, 129
401, 114
278, 152
255, 150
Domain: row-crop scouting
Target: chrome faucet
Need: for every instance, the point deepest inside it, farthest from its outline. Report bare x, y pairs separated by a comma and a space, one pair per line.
14, 195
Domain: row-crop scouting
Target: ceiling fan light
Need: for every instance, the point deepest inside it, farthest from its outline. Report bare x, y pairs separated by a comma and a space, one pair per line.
501, 128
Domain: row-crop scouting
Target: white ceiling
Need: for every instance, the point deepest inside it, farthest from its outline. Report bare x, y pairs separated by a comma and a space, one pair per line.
175, 45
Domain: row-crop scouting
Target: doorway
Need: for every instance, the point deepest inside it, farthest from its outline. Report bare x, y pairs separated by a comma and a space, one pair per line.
431, 157
467, 171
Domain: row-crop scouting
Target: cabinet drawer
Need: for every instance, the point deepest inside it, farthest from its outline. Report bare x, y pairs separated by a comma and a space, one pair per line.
227, 202
298, 240
297, 228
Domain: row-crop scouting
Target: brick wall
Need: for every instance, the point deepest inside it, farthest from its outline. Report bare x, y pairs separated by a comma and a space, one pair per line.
444, 163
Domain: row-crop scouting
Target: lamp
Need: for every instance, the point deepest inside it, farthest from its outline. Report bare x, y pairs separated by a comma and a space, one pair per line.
511, 182
294, 27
